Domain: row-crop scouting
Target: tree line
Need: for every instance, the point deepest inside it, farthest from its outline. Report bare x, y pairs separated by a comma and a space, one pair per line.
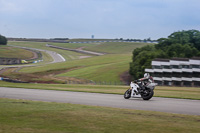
183, 44
3, 40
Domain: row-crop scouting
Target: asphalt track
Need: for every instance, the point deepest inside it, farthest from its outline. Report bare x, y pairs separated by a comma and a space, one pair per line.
170, 105
55, 56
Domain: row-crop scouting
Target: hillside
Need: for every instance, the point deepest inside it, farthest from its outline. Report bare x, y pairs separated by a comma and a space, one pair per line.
107, 68
105, 47
12, 52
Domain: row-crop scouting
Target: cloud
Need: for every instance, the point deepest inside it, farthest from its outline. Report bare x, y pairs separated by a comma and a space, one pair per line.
103, 18
8, 7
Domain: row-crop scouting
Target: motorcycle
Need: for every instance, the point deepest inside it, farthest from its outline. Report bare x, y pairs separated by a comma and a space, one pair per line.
140, 89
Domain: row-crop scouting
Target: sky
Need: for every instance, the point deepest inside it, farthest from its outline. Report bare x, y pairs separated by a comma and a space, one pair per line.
128, 19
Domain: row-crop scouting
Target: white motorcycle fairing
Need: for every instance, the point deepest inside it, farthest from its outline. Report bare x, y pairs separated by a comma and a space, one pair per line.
134, 92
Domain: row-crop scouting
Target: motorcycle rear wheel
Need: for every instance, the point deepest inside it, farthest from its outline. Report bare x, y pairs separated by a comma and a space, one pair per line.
127, 94
148, 94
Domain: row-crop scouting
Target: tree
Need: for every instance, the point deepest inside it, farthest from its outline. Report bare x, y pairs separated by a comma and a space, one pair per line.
185, 51
196, 39
191, 37
3, 40
185, 44
142, 58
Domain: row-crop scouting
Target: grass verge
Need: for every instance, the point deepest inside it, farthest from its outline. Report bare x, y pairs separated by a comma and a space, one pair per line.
160, 91
22, 116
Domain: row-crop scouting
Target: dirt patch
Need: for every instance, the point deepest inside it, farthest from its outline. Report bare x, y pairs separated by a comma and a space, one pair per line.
48, 77
80, 48
57, 71
2, 70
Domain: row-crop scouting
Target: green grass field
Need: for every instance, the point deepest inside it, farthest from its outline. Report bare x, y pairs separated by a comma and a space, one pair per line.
11, 52
73, 45
116, 47
22, 116
105, 47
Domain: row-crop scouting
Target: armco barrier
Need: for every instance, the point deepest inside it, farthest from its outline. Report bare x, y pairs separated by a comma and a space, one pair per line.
11, 80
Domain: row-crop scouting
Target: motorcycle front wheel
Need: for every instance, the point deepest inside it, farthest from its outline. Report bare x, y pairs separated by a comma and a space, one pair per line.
147, 94
127, 94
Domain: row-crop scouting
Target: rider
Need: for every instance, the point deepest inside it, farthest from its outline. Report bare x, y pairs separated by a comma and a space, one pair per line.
147, 78
144, 81
141, 83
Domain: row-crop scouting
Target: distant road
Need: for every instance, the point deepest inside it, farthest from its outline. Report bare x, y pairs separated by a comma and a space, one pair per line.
170, 105
77, 50
55, 56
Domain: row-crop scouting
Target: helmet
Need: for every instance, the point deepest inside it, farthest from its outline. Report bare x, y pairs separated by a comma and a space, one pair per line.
146, 75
